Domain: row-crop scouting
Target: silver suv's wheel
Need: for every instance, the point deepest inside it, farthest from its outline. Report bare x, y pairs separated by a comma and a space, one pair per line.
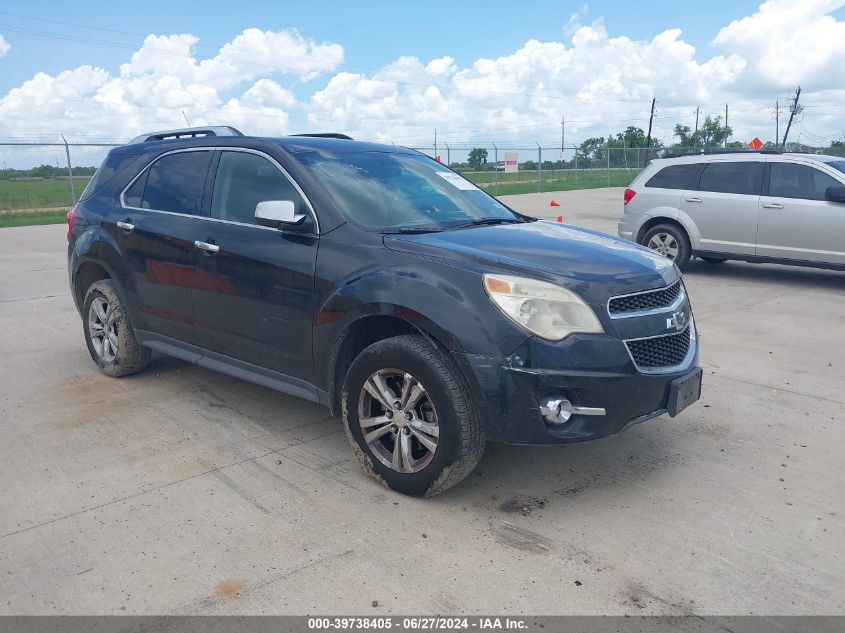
108, 333
668, 240
665, 244
410, 416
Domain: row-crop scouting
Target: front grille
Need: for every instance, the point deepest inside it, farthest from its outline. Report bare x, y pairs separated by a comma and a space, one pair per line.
660, 351
645, 300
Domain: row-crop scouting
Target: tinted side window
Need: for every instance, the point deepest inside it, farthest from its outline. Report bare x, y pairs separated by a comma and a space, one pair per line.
243, 180
135, 193
175, 182
675, 176
732, 177
789, 180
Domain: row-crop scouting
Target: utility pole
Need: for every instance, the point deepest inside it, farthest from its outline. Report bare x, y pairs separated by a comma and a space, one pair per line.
793, 110
726, 126
777, 122
648, 139
435, 143
562, 135
695, 136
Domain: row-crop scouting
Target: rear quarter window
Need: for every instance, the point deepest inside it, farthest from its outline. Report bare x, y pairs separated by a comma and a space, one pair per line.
112, 165
675, 176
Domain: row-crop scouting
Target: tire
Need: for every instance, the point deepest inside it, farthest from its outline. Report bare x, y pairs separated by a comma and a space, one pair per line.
119, 353
714, 260
408, 365
669, 240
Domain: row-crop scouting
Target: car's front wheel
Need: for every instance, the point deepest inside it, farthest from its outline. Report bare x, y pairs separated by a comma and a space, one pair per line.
108, 333
410, 416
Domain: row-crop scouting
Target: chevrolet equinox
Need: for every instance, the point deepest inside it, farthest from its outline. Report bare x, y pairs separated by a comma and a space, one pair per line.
378, 282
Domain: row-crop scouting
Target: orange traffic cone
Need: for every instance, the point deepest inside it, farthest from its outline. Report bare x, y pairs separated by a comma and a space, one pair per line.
554, 203
560, 218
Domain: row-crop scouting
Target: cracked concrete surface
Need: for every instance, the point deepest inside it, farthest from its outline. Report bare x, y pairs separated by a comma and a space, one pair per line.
184, 491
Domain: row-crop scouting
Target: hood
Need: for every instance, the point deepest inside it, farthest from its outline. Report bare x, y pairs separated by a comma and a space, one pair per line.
593, 264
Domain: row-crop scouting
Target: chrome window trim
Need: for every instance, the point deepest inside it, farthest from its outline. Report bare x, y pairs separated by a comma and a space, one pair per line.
683, 365
244, 150
679, 300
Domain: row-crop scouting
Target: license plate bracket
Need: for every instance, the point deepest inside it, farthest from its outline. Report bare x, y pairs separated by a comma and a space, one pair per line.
684, 391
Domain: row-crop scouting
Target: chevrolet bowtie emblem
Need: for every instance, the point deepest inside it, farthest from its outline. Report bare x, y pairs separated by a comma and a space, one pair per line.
678, 321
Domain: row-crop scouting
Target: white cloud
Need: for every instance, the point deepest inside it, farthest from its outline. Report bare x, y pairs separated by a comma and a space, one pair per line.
788, 42
599, 81
4, 46
163, 78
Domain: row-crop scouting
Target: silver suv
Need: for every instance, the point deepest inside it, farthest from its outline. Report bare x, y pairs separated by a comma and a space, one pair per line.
757, 207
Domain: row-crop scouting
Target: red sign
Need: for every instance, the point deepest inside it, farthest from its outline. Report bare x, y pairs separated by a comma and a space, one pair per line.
755, 144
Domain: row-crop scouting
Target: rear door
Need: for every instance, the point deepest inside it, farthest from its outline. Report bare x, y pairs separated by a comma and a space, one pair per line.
255, 297
796, 221
156, 228
724, 205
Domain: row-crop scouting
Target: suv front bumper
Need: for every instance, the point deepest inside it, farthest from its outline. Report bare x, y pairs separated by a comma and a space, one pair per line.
509, 392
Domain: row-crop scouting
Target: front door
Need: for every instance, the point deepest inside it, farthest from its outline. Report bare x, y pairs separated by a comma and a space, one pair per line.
156, 227
796, 221
724, 205
255, 297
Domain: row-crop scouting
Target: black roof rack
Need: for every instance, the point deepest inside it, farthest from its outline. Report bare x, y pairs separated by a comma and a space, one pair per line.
188, 132
707, 152
327, 135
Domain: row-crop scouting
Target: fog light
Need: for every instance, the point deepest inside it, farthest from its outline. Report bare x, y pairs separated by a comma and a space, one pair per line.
556, 409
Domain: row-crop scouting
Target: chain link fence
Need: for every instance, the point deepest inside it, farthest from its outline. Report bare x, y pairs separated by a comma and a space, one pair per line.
48, 177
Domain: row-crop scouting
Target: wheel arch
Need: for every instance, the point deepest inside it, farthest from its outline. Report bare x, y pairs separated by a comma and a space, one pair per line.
370, 326
88, 271
680, 221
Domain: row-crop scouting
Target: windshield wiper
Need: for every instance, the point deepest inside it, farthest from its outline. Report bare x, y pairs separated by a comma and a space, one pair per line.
486, 221
415, 229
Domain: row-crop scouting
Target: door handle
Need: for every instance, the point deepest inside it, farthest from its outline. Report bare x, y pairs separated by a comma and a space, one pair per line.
772, 205
126, 225
207, 247
693, 199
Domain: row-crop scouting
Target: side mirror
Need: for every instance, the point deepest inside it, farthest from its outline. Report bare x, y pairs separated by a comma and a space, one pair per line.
835, 194
276, 213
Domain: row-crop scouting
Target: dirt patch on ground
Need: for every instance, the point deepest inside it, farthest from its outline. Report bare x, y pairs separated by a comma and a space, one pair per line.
522, 504
229, 587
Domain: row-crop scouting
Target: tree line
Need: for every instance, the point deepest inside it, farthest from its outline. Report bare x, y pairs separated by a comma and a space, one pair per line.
45, 171
626, 149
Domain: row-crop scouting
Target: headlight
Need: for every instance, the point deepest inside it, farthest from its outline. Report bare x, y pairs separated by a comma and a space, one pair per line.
549, 311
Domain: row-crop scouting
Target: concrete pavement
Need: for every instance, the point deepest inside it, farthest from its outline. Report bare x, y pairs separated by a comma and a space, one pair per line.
184, 491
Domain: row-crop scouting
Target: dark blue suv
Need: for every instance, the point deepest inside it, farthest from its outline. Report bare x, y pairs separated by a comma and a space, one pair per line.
378, 282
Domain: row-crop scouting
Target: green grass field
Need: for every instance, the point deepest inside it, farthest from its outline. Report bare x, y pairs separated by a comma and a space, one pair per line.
37, 194
562, 181
46, 201
30, 218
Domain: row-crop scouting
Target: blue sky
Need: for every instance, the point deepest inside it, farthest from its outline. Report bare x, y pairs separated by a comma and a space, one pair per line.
372, 33
409, 68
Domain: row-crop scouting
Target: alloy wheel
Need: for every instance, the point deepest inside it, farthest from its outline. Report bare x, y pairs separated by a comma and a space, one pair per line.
102, 329
398, 420
665, 244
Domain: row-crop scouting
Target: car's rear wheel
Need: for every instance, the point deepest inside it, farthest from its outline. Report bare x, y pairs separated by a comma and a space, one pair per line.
108, 333
670, 241
410, 417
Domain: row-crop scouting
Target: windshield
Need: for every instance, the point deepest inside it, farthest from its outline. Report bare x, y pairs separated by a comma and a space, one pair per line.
385, 191
838, 164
